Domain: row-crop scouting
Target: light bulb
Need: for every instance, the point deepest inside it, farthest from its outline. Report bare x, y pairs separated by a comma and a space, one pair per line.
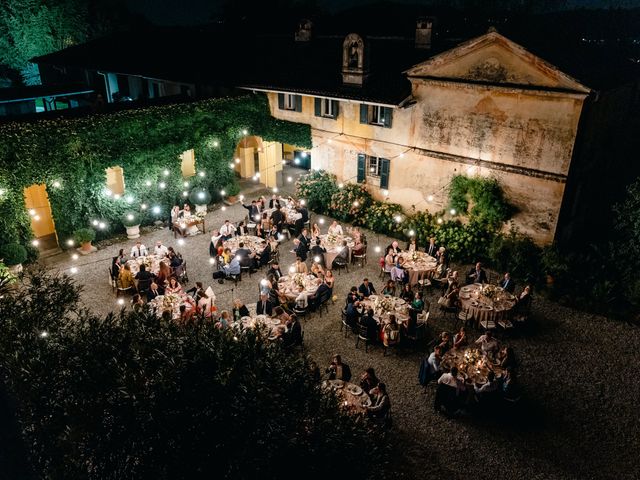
128, 199
292, 269
356, 203
148, 183
156, 210
212, 260
44, 334
398, 218
94, 223
73, 269
439, 221
75, 256
452, 211
130, 217
296, 161
108, 192
223, 193
201, 195
35, 243
202, 174
340, 185
303, 154
215, 143
245, 131
316, 259
36, 218
102, 225
385, 193
143, 206
185, 194
378, 249
223, 208
411, 233
231, 165
289, 179
166, 173
181, 241
430, 198
321, 221
32, 212
162, 185
303, 201
186, 184
275, 189
70, 242
121, 301
237, 160
258, 174
56, 184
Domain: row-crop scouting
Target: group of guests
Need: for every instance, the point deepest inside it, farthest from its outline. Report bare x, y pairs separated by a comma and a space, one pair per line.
394, 264
369, 382
453, 392
144, 282
277, 221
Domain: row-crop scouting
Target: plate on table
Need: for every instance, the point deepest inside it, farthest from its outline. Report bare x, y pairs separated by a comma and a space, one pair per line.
487, 307
245, 319
466, 289
465, 295
400, 301
336, 383
261, 318
474, 303
354, 389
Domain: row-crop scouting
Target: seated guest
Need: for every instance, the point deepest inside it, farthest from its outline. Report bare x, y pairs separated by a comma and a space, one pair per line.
228, 269
239, 310
137, 304
451, 379
299, 249
164, 273
441, 266
358, 247
477, 274
338, 370
444, 342
507, 358
368, 380
118, 262
451, 299
173, 287
241, 229
343, 257
412, 245
302, 299
510, 388
460, 339
371, 325
318, 251
398, 272
154, 291
389, 288
490, 386
246, 257
352, 296
300, 266
395, 248
144, 277
391, 332
507, 283
264, 306
434, 362
334, 229
315, 231
125, 278
175, 260
524, 300
280, 314
194, 290
352, 314
407, 293
488, 344
160, 249
227, 230
293, 333
275, 271
316, 270
264, 226
389, 260
380, 404
366, 288
432, 249
329, 279
275, 201
139, 250
322, 291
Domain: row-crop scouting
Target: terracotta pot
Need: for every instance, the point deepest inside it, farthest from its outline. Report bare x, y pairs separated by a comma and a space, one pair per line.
86, 247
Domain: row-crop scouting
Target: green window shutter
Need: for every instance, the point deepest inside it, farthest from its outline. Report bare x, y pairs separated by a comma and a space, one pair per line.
388, 113
336, 108
385, 166
318, 106
364, 113
362, 167
298, 100
281, 101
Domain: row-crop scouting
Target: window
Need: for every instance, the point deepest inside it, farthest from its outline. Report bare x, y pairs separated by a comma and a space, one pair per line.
374, 168
115, 180
288, 101
376, 115
327, 108
188, 165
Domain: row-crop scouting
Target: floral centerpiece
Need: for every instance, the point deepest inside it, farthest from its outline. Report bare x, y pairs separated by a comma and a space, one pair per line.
298, 280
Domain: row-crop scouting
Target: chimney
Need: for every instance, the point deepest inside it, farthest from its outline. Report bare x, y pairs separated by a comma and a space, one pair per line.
304, 31
424, 29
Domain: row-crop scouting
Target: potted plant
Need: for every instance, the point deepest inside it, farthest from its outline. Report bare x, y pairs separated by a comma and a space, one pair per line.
13, 255
84, 236
131, 222
232, 193
200, 197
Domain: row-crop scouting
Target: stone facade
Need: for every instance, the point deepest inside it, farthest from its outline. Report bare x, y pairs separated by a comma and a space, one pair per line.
487, 107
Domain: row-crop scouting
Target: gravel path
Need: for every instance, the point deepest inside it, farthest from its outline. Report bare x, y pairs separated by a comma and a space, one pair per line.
578, 419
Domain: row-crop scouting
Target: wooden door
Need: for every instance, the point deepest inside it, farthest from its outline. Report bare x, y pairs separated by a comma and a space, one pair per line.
37, 203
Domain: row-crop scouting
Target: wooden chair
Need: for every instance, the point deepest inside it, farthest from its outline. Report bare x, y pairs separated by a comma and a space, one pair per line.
344, 325
340, 263
112, 280
363, 335
362, 258
122, 290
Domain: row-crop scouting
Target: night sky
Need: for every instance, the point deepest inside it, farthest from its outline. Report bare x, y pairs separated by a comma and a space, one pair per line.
201, 11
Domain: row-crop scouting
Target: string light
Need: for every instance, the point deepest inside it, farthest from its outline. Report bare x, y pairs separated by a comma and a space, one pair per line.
1, 191
321, 221
237, 160
212, 260
180, 241
94, 223
44, 334
156, 209
35, 243
201, 174
356, 203
385, 193
186, 184
73, 269
430, 198
120, 301
232, 165
303, 154
162, 185
185, 194
257, 174
275, 189
148, 183
289, 179
439, 221
75, 256
452, 211
128, 199
223, 208
378, 249
70, 242
292, 269
56, 184
102, 225
108, 192
166, 173
215, 143
116, 196
398, 218
316, 259
130, 217
143, 206
36, 217
341, 185
222, 193
303, 201
245, 132
411, 233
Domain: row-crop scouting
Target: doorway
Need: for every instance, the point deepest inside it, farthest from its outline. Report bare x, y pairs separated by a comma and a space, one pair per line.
44, 230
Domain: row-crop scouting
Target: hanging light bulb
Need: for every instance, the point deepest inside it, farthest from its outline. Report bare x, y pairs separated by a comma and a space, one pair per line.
156, 209
232, 166
148, 183
74, 256
430, 198
73, 270
452, 211
56, 184
186, 184
340, 185
245, 131
385, 193
275, 189
70, 242
143, 206
185, 194
412, 233
32, 212
94, 223
321, 221
237, 160
181, 241
108, 192
212, 260
398, 218
377, 249
162, 185
289, 179
102, 225
440, 221
223, 208
120, 301
128, 199
201, 174
223, 193
35, 243
165, 173
215, 143
130, 217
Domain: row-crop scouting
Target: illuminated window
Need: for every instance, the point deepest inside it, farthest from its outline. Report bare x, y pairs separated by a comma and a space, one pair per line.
188, 166
115, 180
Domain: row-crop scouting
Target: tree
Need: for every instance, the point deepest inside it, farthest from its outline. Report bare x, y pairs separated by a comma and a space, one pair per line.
131, 396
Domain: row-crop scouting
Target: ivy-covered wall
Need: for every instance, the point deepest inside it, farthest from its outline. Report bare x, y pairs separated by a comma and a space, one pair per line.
70, 156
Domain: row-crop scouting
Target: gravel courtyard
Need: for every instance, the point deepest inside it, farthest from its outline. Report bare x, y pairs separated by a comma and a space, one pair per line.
578, 418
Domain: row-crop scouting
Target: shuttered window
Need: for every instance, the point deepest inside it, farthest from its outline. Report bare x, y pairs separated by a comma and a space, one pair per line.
376, 115
288, 101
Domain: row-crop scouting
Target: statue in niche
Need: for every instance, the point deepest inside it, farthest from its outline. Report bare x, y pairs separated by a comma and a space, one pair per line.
353, 55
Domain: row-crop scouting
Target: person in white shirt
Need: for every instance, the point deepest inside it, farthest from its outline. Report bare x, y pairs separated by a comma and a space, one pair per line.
335, 229
227, 230
160, 249
490, 386
302, 300
488, 344
451, 379
139, 250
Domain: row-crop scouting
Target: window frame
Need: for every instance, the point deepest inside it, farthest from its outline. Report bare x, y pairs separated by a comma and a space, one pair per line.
376, 168
373, 109
289, 102
327, 108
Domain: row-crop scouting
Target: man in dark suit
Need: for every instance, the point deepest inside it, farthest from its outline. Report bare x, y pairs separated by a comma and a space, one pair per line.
338, 370
264, 306
366, 288
507, 283
274, 202
293, 335
247, 257
154, 291
254, 211
275, 271
477, 274
300, 250
302, 210
371, 325
432, 248
314, 300
277, 218
305, 239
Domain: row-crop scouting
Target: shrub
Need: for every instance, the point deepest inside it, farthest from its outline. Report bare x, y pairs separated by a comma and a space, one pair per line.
517, 254
131, 396
465, 243
486, 195
380, 217
200, 196
13, 254
350, 203
130, 219
84, 235
424, 224
317, 188
233, 189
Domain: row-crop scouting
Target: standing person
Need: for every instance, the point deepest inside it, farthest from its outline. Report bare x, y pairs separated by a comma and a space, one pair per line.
366, 288
254, 211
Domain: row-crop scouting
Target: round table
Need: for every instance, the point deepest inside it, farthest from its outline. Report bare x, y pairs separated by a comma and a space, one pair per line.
486, 302
383, 306
333, 245
472, 364
253, 243
272, 323
171, 303
288, 285
418, 264
290, 213
151, 262
352, 397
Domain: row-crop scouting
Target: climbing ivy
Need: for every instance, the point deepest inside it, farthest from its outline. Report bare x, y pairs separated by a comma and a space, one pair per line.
70, 155
482, 199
